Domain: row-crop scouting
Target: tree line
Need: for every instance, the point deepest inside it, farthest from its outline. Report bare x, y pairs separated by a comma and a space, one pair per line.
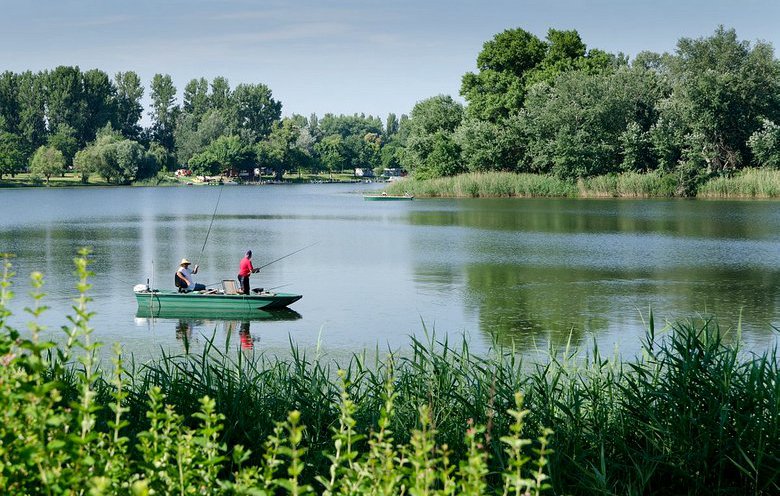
86, 121
549, 106
554, 107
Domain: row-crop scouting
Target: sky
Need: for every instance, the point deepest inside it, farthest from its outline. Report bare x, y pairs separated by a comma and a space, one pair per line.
342, 56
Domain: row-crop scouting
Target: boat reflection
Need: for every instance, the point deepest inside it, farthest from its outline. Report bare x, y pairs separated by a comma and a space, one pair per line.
280, 314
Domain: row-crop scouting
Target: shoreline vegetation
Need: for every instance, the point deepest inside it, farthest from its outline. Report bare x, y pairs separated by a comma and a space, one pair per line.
746, 184
691, 414
701, 121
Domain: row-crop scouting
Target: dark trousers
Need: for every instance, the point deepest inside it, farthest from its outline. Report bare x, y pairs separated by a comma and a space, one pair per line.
244, 280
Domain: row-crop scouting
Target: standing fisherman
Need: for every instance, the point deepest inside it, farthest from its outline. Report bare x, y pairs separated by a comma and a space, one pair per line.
245, 268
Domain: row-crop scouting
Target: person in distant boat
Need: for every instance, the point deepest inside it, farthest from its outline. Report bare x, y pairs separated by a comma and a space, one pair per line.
184, 277
245, 268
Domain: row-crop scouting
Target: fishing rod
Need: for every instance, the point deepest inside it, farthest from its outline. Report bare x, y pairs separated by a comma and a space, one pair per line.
210, 224
288, 255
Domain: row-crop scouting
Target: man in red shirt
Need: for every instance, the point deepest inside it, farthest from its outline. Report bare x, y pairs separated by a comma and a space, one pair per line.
245, 268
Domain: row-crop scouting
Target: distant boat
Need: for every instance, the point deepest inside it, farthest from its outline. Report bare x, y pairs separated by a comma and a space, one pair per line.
386, 197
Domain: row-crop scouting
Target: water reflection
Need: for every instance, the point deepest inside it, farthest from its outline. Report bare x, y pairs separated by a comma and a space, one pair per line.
189, 329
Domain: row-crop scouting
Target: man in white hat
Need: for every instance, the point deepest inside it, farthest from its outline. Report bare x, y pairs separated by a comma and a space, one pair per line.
184, 279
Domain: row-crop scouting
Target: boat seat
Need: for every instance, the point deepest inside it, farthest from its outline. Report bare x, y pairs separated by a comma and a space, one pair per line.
229, 286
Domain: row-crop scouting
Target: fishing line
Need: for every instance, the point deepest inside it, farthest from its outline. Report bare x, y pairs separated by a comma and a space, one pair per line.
210, 224
288, 255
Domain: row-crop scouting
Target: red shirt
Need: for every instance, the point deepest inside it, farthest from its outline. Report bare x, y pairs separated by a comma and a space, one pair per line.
245, 267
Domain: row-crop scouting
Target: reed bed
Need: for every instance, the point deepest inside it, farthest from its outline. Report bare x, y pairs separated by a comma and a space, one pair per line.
628, 185
692, 413
486, 185
749, 183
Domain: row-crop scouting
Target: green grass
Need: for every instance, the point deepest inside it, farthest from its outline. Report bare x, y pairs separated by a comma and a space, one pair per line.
487, 185
749, 183
692, 413
628, 185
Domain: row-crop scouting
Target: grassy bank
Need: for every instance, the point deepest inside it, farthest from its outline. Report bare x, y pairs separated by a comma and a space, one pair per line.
487, 185
690, 414
750, 183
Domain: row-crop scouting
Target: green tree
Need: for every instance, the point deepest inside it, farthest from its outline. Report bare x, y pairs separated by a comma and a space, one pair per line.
86, 162
723, 89
391, 125
9, 102
220, 94
195, 100
222, 156
129, 93
32, 115
256, 112
331, 153
100, 105
431, 129
64, 139
164, 110
498, 89
193, 134
47, 161
576, 127
280, 150
765, 145
11, 154
489, 146
65, 100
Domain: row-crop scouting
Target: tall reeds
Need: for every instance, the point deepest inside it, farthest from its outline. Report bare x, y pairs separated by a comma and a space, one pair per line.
749, 183
692, 413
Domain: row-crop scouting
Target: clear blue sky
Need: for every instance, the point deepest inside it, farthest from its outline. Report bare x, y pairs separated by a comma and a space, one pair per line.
341, 56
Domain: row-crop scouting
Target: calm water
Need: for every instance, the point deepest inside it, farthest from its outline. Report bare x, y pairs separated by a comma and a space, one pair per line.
527, 272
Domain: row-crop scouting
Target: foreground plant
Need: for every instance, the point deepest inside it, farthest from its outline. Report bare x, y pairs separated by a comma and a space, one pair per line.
56, 438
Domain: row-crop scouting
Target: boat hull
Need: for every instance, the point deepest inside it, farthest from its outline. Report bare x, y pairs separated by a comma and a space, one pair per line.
173, 302
388, 197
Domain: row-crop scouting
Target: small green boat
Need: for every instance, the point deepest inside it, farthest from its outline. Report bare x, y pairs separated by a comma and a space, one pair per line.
214, 304
386, 197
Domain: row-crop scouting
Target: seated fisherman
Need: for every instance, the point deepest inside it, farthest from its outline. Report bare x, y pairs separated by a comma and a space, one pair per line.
184, 279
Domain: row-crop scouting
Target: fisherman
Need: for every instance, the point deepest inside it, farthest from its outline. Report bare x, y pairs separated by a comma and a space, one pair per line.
184, 277
245, 268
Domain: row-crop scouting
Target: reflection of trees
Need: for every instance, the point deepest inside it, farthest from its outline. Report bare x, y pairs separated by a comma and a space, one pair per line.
524, 304
710, 219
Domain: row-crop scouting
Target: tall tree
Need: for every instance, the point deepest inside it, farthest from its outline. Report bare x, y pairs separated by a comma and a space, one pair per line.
391, 125
9, 102
164, 110
498, 89
99, 103
195, 99
220, 93
256, 111
129, 92
431, 149
65, 100
11, 153
723, 89
32, 115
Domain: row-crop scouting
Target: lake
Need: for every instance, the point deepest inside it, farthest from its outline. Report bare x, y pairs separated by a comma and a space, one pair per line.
526, 273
